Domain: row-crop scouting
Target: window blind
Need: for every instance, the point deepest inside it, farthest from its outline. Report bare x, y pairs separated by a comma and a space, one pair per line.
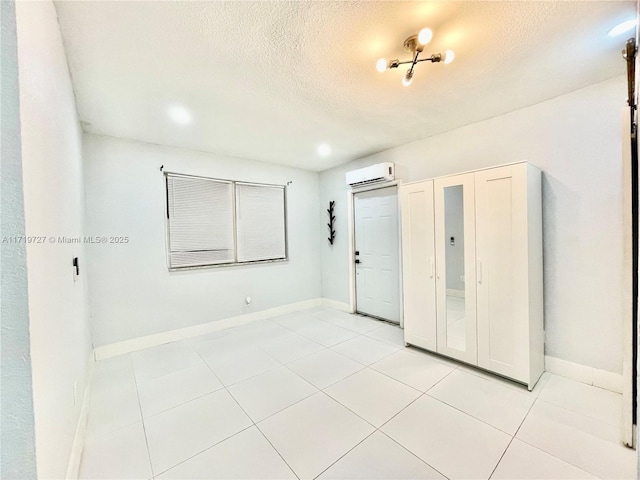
260, 222
200, 222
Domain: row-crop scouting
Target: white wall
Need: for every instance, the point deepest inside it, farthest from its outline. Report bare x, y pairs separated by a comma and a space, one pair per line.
132, 294
53, 199
17, 436
576, 140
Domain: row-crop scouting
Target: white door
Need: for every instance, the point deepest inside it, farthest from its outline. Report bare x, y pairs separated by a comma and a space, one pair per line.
455, 266
418, 265
502, 265
377, 253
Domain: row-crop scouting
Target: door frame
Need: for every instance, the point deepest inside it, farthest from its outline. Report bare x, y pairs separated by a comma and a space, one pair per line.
352, 242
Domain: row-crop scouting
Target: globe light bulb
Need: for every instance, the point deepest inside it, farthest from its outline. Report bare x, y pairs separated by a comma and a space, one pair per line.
425, 36
623, 27
407, 79
449, 55
381, 65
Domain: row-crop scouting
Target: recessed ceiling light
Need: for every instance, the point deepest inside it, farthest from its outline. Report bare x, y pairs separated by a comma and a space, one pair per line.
324, 149
623, 27
180, 115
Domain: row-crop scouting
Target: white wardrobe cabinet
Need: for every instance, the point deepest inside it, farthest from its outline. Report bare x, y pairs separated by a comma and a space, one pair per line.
418, 265
455, 258
483, 232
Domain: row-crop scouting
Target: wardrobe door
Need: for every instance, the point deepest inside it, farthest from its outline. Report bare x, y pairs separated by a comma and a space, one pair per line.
418, 265
502, 271
455, 266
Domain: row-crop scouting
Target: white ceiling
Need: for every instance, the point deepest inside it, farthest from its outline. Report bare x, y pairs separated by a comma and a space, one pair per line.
271, 80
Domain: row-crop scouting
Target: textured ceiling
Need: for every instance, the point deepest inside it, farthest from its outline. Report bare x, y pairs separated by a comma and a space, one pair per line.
271, 80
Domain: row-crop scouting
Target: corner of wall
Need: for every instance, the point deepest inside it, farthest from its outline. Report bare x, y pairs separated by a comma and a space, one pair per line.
18, 452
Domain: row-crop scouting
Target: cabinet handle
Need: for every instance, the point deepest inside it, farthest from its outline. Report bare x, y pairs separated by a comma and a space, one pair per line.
479, 271
431, 267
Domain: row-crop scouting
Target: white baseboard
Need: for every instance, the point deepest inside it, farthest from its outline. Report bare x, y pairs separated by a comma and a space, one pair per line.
73, 467
134, 344
581, 373
343, 307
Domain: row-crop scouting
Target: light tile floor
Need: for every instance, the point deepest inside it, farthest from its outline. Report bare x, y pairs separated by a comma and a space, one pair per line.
324, 394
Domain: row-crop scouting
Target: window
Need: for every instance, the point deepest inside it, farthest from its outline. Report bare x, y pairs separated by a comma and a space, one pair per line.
221, 222
260, 222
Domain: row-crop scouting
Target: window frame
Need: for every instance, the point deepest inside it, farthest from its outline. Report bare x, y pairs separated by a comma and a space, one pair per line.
235, 262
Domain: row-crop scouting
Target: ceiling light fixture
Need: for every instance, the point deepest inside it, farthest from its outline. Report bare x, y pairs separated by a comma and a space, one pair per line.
415, 45
623, 27
324, 150
180, 115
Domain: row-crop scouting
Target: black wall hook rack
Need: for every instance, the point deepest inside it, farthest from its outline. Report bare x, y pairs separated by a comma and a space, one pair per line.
332, 219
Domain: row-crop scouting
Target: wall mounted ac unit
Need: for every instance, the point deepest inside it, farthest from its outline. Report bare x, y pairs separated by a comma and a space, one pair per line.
381, 172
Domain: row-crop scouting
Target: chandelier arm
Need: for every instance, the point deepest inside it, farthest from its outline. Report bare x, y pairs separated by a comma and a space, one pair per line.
433, 58
413, 64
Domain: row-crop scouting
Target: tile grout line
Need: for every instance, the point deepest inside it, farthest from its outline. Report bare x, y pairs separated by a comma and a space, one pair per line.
253, 422
242, 380
234, 399
535, 399
226, 387
315, 317
558, 458
295, 332
422, 394
184, 403
358, 335
416, 456
379, 429
337, 381
317, 390
303, 356
344, 454
471, 415
330, 346
275, 413
376, 429
144, 427
276, 450
589, 417
543, 450
344, 406
513, 437
322, 390
261, 432
204, 450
